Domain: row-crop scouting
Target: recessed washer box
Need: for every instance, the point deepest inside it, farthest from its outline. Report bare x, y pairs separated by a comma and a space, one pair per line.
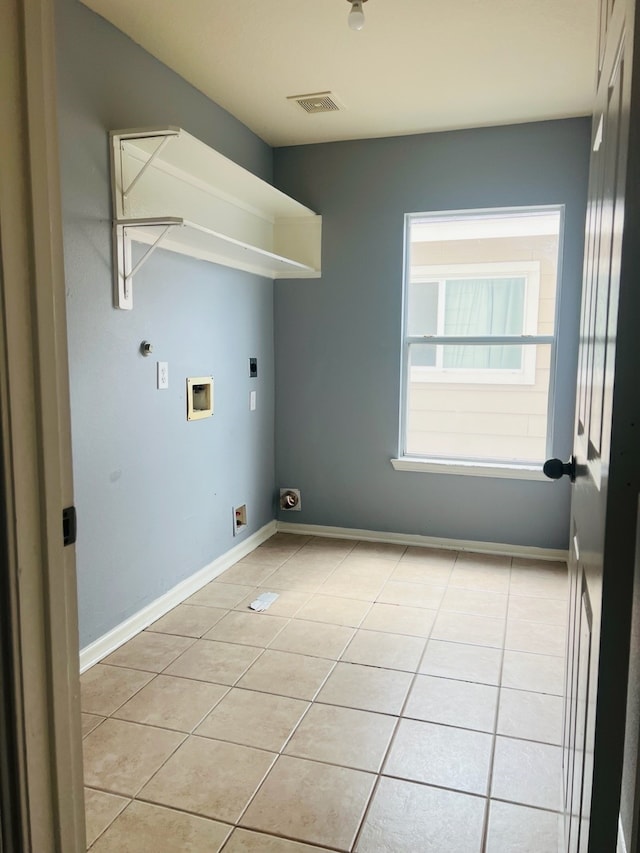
199, 397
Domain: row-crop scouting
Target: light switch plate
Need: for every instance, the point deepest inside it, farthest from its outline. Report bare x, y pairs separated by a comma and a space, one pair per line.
252, 401
163, 375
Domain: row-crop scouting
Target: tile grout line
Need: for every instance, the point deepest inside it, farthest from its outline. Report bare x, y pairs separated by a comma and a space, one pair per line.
496, 718
261, 832
102, 832
435, 785
370, 799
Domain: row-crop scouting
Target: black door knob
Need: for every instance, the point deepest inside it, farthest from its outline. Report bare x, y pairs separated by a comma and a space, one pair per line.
554, 469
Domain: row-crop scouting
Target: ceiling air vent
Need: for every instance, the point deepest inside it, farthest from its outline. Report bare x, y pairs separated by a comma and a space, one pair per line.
317, 102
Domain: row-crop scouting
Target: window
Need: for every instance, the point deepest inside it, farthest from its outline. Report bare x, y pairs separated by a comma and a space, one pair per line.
479, 344
485, 300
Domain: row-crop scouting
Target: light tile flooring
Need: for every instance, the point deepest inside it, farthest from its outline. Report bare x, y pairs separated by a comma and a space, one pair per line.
392, 699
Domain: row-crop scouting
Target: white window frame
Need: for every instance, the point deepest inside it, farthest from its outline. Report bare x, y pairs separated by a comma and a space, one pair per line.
466, 466
440, 273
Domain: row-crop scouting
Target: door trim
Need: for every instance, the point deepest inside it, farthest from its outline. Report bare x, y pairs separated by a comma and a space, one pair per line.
35, 442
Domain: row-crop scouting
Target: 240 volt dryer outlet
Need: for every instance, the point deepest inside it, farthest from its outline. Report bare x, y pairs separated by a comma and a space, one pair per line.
290, 499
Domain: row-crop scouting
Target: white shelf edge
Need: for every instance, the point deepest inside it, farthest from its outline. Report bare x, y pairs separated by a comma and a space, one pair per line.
138, 232
263, 253
144, 132
188, 177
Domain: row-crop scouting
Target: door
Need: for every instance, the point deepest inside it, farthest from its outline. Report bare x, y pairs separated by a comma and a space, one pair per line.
604, 500
630, 798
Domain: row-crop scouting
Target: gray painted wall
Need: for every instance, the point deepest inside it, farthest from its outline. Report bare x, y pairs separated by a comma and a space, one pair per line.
153, 492
338, 345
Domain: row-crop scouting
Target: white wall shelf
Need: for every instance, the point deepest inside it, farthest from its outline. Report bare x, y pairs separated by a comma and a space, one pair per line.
172, 191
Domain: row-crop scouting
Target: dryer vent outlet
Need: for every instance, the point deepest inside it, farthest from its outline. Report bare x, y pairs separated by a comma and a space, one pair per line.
290, 499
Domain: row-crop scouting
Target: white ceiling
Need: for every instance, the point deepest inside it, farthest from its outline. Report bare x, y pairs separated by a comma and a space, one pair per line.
418, 65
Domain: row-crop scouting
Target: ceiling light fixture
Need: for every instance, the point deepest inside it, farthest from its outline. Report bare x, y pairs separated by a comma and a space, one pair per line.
356, 15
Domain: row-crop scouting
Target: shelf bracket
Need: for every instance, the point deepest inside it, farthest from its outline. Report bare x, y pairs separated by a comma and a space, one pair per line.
128, 276
163, 142
122, 249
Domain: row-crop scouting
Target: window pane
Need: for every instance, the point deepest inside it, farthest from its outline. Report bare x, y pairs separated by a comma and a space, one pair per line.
423, 355
492, 416
459, 358
423, 308
506, 247
482, 357
484, 306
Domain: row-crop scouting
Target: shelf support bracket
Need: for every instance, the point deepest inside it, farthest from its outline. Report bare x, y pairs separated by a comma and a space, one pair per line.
164, 141
122, 248
128, 276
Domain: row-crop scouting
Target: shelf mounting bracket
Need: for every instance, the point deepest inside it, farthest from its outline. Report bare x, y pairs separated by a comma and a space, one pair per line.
126, 191
122, 249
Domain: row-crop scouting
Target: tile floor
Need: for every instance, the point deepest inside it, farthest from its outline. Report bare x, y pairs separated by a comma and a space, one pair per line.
392, 699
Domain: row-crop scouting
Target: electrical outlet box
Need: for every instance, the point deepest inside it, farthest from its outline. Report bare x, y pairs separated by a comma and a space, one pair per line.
253, 368
239, 519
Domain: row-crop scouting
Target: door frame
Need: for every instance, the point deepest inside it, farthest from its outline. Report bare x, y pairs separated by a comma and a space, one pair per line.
39, 611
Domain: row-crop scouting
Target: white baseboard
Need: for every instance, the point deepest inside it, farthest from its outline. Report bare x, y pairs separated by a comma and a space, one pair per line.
621, 846
425, 541
110, 641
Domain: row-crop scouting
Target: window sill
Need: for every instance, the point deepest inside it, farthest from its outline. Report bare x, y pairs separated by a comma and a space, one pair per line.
469, 469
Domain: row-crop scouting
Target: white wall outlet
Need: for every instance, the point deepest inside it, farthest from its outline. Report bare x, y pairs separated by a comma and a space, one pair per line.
253, 398
163, 375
